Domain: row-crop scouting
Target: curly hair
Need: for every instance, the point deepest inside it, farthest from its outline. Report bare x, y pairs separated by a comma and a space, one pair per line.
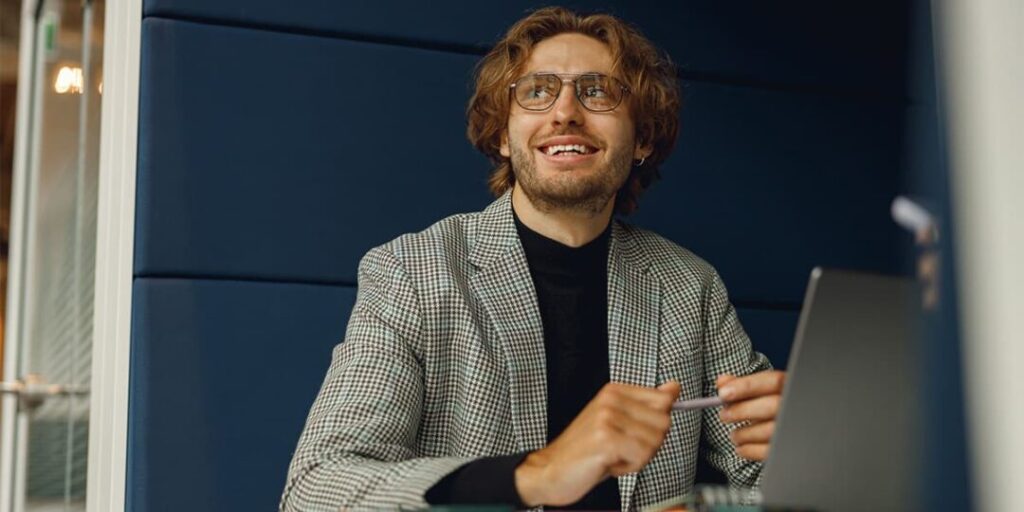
650, 75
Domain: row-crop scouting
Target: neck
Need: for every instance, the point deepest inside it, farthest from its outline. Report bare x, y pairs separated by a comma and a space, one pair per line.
569, 227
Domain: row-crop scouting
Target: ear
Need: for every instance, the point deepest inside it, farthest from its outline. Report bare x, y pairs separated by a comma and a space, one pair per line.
503, 148
642, 151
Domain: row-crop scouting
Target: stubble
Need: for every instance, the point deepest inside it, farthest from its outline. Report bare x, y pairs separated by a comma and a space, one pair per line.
587, 194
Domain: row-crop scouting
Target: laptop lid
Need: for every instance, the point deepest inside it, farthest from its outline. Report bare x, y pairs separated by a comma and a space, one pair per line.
844, 437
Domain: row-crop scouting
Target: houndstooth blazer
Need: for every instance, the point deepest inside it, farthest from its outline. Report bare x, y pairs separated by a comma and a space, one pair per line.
443, 362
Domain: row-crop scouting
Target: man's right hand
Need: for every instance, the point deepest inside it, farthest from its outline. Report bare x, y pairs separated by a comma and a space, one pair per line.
617, 433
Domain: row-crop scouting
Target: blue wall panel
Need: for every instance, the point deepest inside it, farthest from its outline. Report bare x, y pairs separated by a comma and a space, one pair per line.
771, 332
766, 185
295, 176
945, 482
222, 376
286, 157
858, 48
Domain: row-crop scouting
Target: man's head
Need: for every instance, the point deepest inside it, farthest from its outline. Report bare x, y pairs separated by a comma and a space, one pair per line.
555, 52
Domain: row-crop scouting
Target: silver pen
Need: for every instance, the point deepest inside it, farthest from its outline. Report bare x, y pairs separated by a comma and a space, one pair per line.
697, 403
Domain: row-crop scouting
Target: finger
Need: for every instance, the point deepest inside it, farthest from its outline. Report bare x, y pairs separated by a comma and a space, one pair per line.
631, 419
753, 434
655, 423
632, 453
757, 452
722, 379
753, 385
638, 420
651, 397
635, 419
755, 409
671, 388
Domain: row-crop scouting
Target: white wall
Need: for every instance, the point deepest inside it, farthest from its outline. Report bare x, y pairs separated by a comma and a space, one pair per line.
982, 57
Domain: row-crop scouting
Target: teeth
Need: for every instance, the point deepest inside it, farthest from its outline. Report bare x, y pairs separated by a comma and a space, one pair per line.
561, 148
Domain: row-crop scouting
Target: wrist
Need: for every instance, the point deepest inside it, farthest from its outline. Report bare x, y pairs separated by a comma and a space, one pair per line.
529, 477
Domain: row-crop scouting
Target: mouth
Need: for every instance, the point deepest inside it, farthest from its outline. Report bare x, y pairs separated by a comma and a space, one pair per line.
568, 153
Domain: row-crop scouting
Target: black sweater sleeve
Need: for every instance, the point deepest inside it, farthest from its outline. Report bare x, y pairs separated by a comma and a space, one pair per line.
483, 481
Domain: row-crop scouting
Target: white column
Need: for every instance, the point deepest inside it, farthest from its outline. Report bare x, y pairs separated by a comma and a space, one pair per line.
982, 62
115, 237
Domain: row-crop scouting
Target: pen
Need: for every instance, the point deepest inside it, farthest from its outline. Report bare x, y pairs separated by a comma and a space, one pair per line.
697, 403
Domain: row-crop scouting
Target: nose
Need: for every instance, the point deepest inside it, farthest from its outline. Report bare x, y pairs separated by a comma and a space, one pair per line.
567, 109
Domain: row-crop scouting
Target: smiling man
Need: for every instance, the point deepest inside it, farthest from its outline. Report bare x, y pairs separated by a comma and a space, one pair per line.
530, 353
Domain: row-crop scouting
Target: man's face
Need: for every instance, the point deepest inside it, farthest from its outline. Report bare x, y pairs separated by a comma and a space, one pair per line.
569, 180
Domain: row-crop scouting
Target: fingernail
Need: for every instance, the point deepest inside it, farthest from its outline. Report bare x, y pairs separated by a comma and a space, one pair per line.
725, 415
727, 393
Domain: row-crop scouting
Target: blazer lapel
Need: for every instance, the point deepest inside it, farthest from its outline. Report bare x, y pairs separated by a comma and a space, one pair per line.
505, 289
634, 297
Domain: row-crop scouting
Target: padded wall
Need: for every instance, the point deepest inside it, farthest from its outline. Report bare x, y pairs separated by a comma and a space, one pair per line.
280, 141
945, 482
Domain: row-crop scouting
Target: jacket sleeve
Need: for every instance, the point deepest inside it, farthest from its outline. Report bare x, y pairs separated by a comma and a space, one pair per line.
358, 447
727, 350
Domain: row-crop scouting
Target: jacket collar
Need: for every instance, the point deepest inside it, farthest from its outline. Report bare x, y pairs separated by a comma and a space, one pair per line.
496, 236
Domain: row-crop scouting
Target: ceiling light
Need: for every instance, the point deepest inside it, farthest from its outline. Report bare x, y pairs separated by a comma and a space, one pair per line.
69, 80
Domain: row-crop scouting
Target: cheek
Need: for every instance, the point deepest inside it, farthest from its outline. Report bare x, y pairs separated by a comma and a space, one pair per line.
517, 135
618, 131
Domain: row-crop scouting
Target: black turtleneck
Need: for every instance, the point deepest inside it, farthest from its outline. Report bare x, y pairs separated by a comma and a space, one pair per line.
571, 285
572, 293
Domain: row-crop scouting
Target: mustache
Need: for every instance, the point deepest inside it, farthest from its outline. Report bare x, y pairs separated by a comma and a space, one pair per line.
590, 139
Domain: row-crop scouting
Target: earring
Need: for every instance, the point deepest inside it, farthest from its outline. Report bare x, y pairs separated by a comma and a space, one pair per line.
642, 160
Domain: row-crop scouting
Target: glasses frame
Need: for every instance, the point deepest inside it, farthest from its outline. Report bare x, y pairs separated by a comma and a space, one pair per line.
569, 78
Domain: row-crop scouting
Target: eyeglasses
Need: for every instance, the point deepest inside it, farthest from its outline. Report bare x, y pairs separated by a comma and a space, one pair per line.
596, 92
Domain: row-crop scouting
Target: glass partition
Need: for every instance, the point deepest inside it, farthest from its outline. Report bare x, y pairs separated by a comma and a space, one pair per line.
58, 250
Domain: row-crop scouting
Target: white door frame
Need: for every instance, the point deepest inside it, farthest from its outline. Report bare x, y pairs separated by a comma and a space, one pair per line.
115, 240
16, 262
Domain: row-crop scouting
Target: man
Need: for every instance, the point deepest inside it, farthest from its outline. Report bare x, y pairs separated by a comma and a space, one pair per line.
528, 353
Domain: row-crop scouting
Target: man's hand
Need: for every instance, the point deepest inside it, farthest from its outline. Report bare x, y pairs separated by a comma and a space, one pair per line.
617, 433
753, 399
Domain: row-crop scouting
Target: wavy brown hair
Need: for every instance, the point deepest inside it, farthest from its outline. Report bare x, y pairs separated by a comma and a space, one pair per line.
654, 97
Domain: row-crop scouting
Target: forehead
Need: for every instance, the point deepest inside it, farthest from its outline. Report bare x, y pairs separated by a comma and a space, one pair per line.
570, 53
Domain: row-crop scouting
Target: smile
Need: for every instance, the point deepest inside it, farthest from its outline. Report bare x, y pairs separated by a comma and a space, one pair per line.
572, 149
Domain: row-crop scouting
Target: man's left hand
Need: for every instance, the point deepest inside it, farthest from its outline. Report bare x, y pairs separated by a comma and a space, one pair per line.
754, 401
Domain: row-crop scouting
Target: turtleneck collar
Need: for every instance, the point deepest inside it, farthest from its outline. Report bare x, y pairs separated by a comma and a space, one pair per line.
550, 256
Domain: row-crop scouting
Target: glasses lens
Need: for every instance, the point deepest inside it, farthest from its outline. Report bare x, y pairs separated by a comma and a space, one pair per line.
599, 93
537, 92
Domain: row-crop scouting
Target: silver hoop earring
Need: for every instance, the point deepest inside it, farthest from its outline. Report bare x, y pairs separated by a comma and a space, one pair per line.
642, 160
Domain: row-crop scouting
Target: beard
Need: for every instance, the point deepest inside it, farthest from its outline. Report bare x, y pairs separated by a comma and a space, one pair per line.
588, 194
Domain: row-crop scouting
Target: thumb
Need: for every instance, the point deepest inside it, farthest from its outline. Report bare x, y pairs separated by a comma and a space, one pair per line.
724, 379
671, 387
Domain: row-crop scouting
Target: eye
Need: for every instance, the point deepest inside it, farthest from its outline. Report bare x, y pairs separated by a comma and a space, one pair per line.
538, 91
595, 86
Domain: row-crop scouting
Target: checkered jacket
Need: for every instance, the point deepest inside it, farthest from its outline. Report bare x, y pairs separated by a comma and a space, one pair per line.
443, 362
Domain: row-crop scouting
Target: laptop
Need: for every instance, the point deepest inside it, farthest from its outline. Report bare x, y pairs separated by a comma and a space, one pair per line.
845, 434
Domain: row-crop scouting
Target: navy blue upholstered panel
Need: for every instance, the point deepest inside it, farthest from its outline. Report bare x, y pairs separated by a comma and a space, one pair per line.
766, 185
286, 157
284, 179
859, 47
771, 332
223, 374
